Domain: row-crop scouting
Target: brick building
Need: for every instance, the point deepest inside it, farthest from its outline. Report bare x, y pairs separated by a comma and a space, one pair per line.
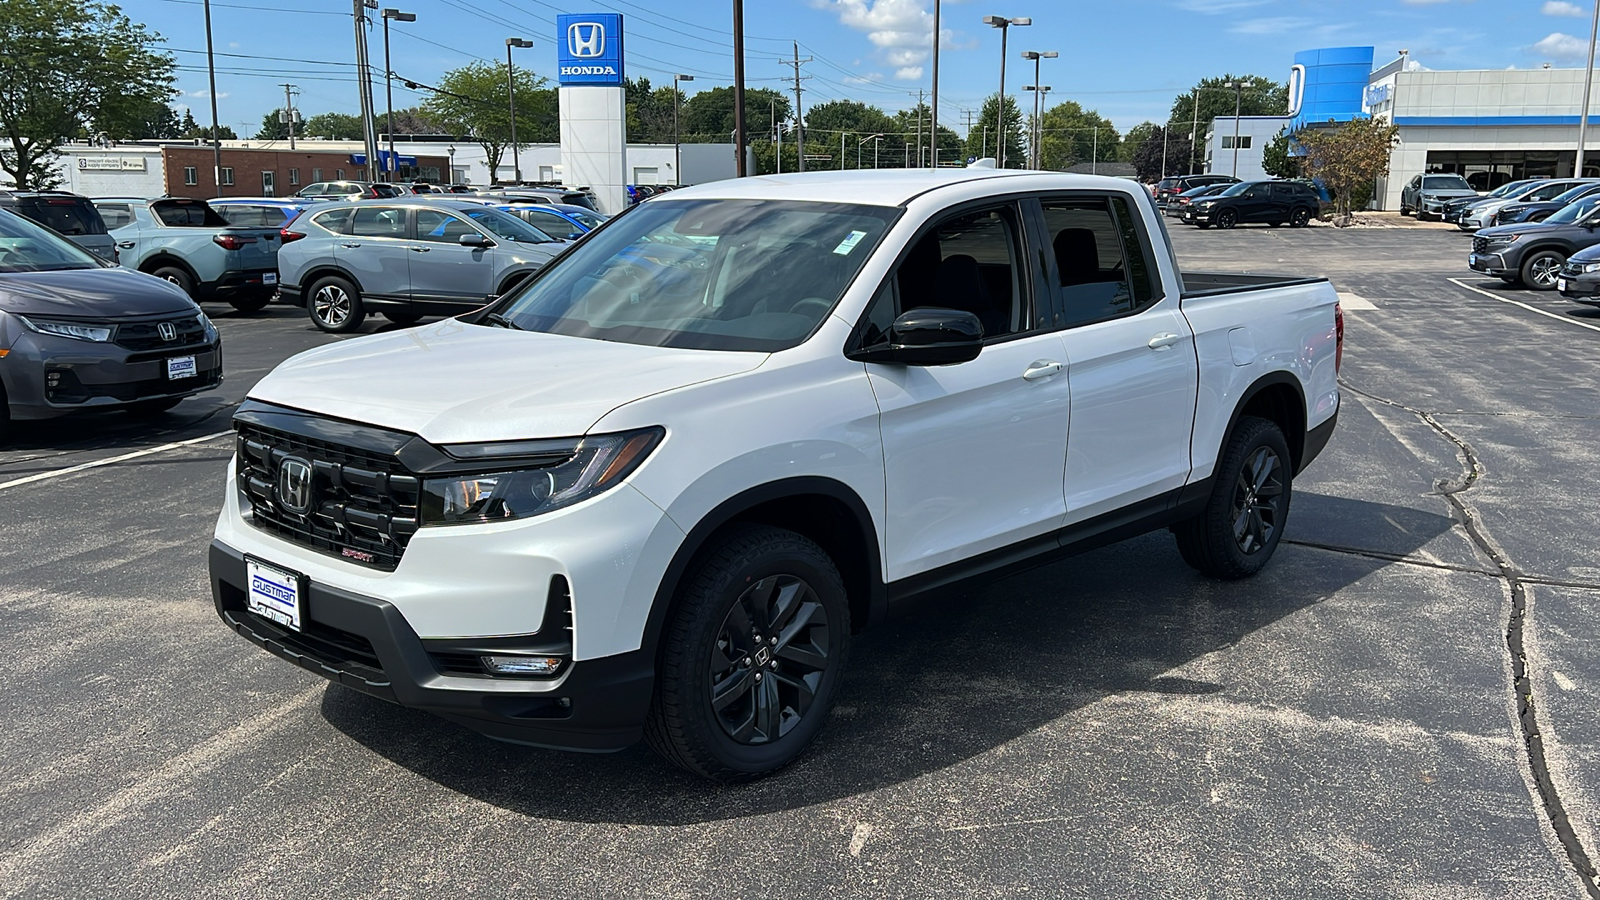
187, 170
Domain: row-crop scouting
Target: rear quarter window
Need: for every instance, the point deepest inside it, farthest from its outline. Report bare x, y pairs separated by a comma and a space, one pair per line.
68, 216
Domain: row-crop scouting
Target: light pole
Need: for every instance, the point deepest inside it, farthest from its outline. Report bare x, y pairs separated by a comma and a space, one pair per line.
216, 133
862, 143
1036, 55
511, 100
1036, 135
1237, 87
452, 180
1588, 80
933, 111
677, 148
388, 83
1004, 24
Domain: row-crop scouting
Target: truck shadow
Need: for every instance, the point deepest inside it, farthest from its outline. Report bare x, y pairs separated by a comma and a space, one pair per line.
954, 677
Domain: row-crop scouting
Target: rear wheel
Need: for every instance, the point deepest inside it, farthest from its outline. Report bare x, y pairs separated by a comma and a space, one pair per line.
755, 649
1541, 268
1227, 219
176, 276
334, 305
1203, 225
250, 304
1299, 217
1237, 532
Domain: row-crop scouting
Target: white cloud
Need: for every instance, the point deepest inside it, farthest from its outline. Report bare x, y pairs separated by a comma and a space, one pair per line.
1215, 7
1562, 46
901, 30
908, 73
202, 94
1563, 8
1270, 25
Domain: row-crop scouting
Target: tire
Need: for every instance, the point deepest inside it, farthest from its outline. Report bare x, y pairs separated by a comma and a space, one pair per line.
1541, 269
1299, 218
152, 407
1255, 459
716, 649
1405, 211
404, 320
1202, 225
178, 277
1227, 219
334, 305
250, 304
1276, 223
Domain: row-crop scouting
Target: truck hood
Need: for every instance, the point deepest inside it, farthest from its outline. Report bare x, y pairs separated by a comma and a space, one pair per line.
454, 383
90, 293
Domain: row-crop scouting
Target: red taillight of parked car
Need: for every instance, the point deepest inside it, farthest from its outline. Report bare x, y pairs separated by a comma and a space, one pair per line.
232, 241
1338, 338
287, 236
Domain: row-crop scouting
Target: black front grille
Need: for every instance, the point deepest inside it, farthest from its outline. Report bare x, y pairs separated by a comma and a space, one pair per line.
186, 332
362, 507
1480, 245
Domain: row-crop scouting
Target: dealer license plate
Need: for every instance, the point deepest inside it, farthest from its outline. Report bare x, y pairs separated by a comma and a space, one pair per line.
269, 278
180, 367
275, 593
1561, 284
1472, 260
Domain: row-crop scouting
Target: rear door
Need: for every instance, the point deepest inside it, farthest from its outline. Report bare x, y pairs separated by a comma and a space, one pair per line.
375, 250
1130, 357
443, 271
122, 223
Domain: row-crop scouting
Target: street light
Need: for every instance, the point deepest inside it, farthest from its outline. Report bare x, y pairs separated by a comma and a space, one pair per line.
388, 82
1036, 55
1004, 24
511, 99
1237, 87
861, 143
677, 148
1037, 134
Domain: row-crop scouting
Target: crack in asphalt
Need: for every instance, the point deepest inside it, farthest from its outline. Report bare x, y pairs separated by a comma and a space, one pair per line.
1517, 581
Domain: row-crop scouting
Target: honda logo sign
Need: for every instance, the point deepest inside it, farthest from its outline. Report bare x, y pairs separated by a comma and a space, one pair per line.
590, 49
586, 40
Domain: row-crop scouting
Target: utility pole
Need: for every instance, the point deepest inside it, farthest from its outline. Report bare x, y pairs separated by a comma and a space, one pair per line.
799, 112
511, 101
1588, 80
216, 133
739, 167
1194, 132
288, 111
919, 128
369, 134
677, 143
1238, 87
933, 111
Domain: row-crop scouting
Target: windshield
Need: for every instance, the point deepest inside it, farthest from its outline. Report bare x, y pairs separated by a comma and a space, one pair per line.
67, 215
504, 225
1445, 183
26, 247
1508, 188
710, 274
1572, 212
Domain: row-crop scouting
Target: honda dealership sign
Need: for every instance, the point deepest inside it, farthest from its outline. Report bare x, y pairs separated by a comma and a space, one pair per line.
590, 49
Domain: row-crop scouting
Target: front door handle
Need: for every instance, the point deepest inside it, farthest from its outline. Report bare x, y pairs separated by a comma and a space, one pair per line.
1040, 369
419, 249
1164, 340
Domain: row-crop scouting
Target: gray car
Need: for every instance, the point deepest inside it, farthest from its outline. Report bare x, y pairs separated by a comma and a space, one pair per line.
77, 333
69, 215
405, 258
1480, 215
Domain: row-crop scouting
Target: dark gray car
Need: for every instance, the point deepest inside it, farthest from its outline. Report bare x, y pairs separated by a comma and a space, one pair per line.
79, 334
1534, 253
70, 215
406, 258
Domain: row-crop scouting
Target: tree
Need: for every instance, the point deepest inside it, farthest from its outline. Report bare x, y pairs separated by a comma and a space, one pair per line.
1071, 134
1135, 138
335, 127
1348, 157
203, 133
1275, 158
979, 145
1258, 96
1153, 158
708, 115
471, 101
272, 128
415, 120
650, 111
152, 120
65, 68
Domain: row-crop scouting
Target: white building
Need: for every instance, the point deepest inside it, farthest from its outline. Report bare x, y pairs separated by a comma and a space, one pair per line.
1254, 134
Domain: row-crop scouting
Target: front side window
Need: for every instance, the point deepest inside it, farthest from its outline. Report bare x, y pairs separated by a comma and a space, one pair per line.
552, 224
506, 226
115, 215
750, 275
1101, 267
441, 227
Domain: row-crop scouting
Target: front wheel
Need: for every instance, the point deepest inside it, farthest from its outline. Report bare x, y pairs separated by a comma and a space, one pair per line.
1237, 532
1227, 219
1540, 270
754, 653
334, 306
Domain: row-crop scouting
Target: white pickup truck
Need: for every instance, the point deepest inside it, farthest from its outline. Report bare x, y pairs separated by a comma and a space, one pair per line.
656, 489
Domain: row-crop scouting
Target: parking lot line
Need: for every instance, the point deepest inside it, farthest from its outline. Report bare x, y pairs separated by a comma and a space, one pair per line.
57, 473
1458, 283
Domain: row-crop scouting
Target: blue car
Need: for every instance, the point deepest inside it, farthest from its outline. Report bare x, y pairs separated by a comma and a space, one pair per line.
272, 212
562, 221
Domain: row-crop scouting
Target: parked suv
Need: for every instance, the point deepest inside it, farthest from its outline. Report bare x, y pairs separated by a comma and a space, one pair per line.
1455, 209
69, 215
1539, 210
347, 190
1427, 195
1533, 254
1272, 202
549, 195
406, 258
78, 333
1171, 187
188, 243
1480, 215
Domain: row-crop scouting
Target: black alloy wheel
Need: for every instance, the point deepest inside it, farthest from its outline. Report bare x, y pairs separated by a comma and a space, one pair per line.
1541, 269
1227, 219
1235, 535
769, 658
1299, 218
1257, 501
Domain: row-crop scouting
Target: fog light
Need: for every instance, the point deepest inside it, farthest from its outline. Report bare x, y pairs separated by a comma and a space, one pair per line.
521, 665
53, 379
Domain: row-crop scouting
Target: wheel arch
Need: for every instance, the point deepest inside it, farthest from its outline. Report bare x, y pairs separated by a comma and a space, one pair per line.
512, 279
316, 273
162, 260
827, 511
1280, 398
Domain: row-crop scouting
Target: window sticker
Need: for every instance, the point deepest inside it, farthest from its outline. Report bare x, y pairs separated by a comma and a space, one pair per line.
849, 243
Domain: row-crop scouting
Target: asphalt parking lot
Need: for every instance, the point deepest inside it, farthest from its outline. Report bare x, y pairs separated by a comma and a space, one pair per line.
1354, 722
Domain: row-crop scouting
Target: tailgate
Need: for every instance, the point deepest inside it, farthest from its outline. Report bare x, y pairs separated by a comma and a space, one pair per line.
259, 249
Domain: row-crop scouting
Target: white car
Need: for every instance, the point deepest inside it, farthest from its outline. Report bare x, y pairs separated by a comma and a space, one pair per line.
657, 488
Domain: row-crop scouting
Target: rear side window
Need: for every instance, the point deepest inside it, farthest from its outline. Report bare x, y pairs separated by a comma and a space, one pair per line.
246, 214
64, 215
378, 222
335, 220
187, 214
1102, 269
115, 215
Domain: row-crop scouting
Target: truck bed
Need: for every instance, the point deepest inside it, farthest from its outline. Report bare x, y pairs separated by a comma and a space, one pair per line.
1200, 284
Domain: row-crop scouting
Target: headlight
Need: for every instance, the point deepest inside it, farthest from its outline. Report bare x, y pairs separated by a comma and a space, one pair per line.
1502, 240
1590, 267
68, 329
1204, 204
209, 326
578, 469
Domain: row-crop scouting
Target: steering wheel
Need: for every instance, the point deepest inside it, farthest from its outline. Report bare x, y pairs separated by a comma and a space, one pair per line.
820, 305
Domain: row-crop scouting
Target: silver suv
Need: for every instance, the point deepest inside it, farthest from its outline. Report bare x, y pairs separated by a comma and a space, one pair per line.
406, 258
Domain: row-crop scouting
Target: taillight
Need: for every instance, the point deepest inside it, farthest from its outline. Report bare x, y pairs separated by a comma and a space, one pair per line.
1338, 337
287, 236
232, 241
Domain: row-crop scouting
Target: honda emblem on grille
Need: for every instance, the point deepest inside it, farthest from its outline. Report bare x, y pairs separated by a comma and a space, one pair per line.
294, 486
169, 332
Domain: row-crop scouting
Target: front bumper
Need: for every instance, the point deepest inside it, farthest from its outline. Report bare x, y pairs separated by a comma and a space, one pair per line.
365, 644
1580, 287
46, 376
1492, 264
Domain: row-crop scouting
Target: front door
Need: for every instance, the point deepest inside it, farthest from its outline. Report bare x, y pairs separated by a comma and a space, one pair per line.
1130, 357
269, 182
443, 271
973, 452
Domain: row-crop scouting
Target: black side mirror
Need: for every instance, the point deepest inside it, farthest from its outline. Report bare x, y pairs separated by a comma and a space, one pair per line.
475, 240
929, 336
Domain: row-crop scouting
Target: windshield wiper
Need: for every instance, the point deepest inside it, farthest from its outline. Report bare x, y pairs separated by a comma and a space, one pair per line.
499, 321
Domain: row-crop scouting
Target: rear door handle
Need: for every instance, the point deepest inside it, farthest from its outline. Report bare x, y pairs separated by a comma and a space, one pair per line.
351, 246
125, 245
1040, 369
419, 249
1164, 340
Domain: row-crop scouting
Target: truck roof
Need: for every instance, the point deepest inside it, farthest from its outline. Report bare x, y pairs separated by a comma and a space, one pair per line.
883, 187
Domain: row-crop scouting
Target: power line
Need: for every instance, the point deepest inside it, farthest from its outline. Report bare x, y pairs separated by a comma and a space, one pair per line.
268, 9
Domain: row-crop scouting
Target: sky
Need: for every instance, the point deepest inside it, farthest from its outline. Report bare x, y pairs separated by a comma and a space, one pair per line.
1128, 59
